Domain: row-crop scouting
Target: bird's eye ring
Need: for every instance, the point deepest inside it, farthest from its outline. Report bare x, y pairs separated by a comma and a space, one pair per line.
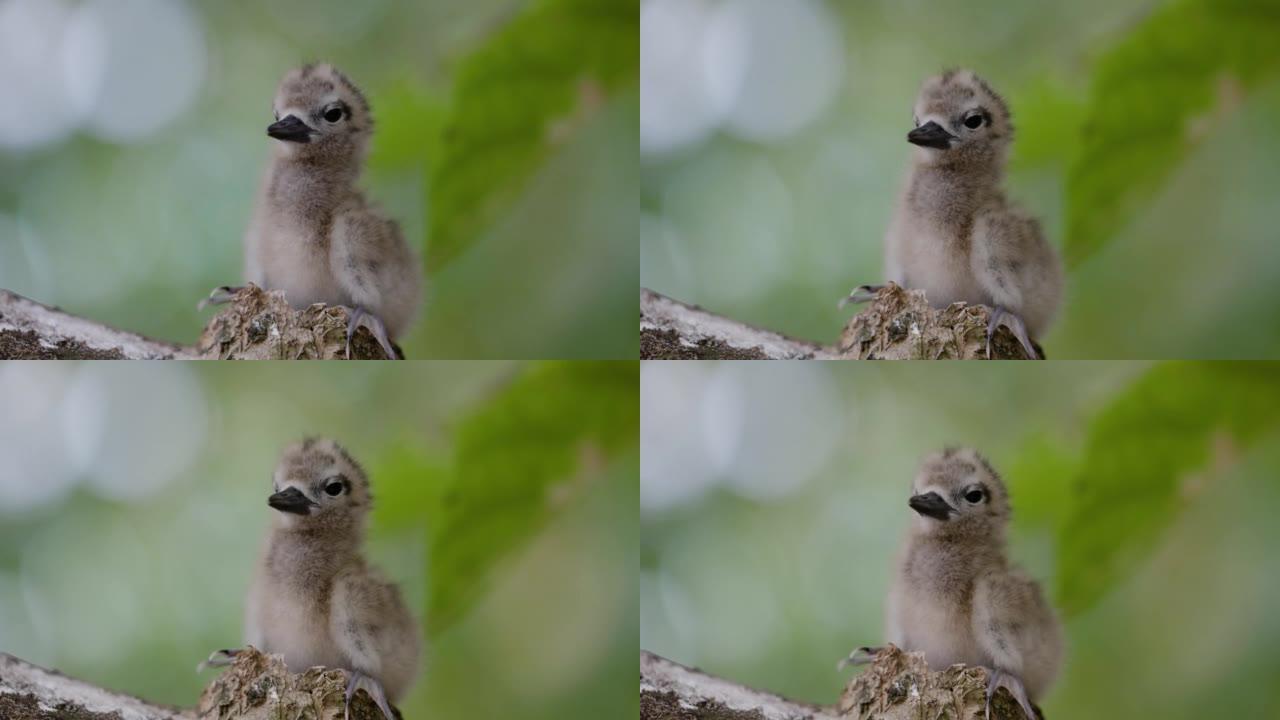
334, 488
973, 122
973, 496
333, 114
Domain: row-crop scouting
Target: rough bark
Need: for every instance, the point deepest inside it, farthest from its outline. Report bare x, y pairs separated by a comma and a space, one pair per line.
255, 325
672, 330
897, 686
29, 692
898, 324
32, 331
671, 691
254, 687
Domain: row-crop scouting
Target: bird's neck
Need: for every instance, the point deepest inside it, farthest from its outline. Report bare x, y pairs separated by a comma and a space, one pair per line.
311, 185
949, 558
312, 557
950, 193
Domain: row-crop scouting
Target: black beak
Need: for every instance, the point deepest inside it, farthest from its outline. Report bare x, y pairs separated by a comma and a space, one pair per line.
930, 135
290, 129
931, 505
291, 501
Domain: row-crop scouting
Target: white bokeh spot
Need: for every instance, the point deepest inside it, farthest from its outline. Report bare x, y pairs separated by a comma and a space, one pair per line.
135, 428
132, 67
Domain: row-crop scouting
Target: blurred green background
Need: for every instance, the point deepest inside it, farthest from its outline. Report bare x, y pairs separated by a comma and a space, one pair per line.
773, 502
505, 145
772, 150
132, 508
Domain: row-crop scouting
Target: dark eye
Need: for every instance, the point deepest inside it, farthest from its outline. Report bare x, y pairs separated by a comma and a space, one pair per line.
973, 122
334, 488
333, 115
974, 496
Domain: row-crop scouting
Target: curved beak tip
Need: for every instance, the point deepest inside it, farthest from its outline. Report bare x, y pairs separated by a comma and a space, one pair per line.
931, 505
931, 135
290, 129
290, 501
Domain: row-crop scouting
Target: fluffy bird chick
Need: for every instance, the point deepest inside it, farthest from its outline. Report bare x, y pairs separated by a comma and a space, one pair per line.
954, 234
313, 235
314, 599
955, 596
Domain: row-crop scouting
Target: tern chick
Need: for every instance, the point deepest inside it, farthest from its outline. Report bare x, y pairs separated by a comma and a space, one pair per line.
313, 234
314, 599
955, 596
954, 234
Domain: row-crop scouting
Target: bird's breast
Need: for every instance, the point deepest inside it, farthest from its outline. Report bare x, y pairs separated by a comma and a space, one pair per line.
295, 260
298, 629
936, 260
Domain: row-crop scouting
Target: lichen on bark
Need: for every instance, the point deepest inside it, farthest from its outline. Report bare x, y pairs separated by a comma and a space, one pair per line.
897, 324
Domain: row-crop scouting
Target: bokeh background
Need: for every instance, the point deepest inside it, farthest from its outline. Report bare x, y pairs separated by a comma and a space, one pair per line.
773, 502
134, 141
132, 508
772, 150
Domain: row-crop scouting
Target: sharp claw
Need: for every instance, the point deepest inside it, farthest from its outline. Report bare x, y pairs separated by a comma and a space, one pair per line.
374, 688
354, 319
218, 296
860, 656
860, 294
997, 679
1000, 316
359, 316
218, 658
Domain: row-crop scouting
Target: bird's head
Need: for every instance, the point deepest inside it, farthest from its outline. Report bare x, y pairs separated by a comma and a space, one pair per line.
318, 486
320, 113
957, 493
959, 119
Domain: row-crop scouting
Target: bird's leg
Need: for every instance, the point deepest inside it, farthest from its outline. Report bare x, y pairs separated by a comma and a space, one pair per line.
359, 316
997, 679
860, 294
374, 688
220, 296
1000, 316
219, 658
860, 656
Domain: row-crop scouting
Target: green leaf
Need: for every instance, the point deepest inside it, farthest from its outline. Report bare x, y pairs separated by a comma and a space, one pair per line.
527, 454
1140, 460
1154, 97
519, 96
410, 120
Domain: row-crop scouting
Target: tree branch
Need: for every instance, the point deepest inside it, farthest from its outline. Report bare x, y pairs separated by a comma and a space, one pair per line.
255, 325
898, 324
898, 686
672, 330
671, 691
30, 692
254, 687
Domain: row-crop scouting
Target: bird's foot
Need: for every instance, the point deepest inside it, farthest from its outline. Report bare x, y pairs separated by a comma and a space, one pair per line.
860, 294
997, 679
219, 658
860, 656
1000, 316
220, 296
374, 688
359, 316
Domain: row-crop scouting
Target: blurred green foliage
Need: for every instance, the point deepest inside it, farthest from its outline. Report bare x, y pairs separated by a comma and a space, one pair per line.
1123, 108
1146, 458
1143, 495
518, 96
516, 461
1163, 88
504, 500
133, 234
